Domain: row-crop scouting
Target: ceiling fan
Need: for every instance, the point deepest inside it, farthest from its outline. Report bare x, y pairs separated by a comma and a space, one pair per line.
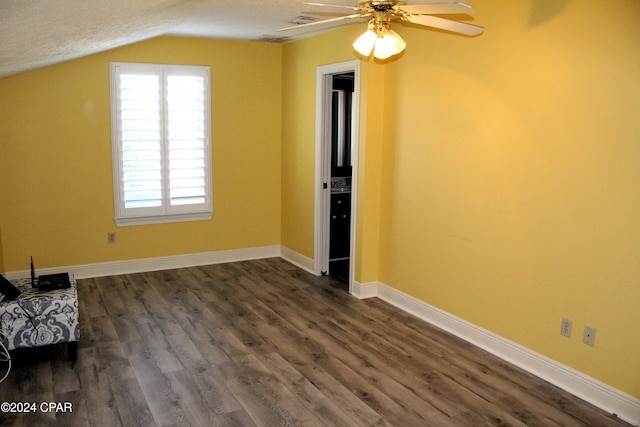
380, 38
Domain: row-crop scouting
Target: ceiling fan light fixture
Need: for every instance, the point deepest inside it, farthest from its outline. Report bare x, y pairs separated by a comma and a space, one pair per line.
379, 39
388, 45
365, 43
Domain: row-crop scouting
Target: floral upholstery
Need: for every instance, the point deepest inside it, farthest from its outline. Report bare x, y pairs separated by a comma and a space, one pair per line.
37, 318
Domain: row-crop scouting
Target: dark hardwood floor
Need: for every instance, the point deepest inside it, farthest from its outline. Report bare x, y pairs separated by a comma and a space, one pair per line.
263, 343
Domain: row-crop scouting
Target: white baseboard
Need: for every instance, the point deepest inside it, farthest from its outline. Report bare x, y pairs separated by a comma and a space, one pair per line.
297, 259
607, 398
364, 290
156, 264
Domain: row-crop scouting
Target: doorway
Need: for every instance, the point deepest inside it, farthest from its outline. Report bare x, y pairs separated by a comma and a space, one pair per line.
341, 173
336, 169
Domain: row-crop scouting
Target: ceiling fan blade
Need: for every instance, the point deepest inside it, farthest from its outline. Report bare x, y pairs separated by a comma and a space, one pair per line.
447, 24
335, 6
437, 8
326, 21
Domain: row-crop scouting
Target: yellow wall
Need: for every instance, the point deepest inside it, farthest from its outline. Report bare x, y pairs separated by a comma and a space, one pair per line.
369, 172
499, 173
298, 145
511, 178
56, 173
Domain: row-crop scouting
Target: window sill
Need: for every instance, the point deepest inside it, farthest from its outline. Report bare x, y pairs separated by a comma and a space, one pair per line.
162, 219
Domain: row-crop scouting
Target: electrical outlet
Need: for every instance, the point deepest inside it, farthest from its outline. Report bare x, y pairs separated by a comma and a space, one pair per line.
589, 336
565, 327
111, 237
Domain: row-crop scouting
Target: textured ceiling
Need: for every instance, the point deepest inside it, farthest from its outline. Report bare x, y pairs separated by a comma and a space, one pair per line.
37, 33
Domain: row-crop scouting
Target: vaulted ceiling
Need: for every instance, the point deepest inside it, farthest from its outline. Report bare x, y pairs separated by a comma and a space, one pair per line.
38, 33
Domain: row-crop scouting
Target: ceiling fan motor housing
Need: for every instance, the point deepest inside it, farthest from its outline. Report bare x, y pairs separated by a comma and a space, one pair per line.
381, 6
382, 12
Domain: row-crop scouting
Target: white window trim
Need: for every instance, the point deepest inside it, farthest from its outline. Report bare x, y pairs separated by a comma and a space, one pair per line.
141, 216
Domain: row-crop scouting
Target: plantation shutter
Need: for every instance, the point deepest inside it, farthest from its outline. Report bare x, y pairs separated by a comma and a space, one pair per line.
140, 114
186, 122
161, 141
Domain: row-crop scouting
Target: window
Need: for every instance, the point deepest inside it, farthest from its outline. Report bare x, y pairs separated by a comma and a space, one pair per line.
161, 139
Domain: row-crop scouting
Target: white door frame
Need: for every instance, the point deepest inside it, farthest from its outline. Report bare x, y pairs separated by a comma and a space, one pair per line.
324, 76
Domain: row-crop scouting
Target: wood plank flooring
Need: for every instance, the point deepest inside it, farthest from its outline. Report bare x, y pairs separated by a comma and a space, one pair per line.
263, 343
